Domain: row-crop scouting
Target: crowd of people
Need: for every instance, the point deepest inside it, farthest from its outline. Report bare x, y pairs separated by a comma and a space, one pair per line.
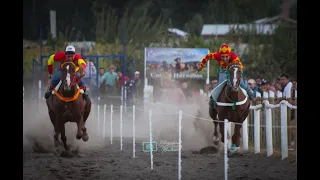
110, 81
283, 84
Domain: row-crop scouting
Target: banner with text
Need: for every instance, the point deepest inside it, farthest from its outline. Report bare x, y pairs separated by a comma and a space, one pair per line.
174, 63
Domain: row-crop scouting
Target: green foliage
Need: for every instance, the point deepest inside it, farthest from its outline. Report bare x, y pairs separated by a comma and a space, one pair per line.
140, 28
194, 26
270, 56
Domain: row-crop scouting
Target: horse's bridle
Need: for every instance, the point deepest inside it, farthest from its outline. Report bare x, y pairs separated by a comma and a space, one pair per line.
229, 83
74, 79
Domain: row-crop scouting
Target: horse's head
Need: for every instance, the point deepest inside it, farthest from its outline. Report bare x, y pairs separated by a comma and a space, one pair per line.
68, 75
234, 76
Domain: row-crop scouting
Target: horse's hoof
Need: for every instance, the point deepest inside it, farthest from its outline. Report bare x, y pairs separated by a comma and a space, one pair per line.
66, 154
57, 144
234, 150
78, 136
85, 138
216, 141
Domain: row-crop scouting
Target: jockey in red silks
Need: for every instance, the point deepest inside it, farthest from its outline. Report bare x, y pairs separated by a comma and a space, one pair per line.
225, 57
69, 55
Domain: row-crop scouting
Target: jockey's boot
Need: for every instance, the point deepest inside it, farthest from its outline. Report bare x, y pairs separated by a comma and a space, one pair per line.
212, 102
250, 94
48, 93
84, 94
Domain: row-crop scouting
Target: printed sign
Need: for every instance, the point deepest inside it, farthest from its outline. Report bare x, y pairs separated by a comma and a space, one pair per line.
164, 146
146, 146
174, 63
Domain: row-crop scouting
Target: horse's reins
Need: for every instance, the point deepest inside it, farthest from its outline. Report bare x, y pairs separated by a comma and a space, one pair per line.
229, 83
73, 82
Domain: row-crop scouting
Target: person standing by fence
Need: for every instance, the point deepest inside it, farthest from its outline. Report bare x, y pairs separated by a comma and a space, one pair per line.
110, 79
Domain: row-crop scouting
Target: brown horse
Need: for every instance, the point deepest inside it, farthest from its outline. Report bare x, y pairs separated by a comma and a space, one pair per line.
232, 104
68, 105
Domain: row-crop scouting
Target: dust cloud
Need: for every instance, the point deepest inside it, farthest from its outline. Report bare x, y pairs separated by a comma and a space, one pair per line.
196, 133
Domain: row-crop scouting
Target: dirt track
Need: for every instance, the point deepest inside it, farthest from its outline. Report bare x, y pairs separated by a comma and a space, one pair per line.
98, 159
109, 163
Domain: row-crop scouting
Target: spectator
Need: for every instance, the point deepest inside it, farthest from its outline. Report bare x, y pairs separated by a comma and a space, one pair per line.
286, 84
278, 86
213, 84
262, 87
137, 85
270, 87
294, 85
258, 80
110, 79
91, 72
90, 68
121, 79
102, 71
253, 85
293, 90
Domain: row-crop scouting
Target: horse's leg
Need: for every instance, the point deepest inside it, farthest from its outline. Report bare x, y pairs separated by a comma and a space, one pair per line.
63, 136
216, 139
80, 126
86, 113
221, 127
213, 114
57, 131
236, 139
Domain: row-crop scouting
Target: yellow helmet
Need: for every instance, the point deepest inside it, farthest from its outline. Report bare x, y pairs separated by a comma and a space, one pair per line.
225, 50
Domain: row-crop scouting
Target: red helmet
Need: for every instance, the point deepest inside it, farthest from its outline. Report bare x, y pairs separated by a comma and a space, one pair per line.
225, 50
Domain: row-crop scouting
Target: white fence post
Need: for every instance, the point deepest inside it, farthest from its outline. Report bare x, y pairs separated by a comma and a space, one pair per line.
134, 131
39, 91
104, 121
180, 146
284, 133
245, 135
121, 136
268, 119
256, 114
226, 166
150, 136
111, 123
98, 119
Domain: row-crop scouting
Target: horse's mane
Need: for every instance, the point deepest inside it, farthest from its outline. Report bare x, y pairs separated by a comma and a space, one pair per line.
233, 64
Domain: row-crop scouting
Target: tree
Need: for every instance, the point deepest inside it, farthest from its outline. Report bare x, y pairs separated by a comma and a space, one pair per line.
194, 26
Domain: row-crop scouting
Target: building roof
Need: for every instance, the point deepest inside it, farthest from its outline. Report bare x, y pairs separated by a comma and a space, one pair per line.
223, 29
177, 32
273, 19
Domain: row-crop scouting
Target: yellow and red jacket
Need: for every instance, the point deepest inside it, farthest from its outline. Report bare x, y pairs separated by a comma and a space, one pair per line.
61, 57
216, 56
